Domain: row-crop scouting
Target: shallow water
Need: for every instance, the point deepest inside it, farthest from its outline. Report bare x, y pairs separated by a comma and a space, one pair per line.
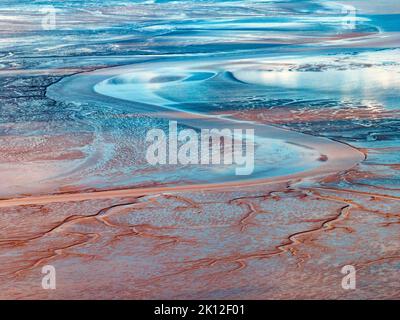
268, 55
96, 32
310, 67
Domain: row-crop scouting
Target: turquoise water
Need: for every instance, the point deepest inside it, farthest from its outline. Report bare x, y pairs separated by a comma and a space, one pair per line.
207, 57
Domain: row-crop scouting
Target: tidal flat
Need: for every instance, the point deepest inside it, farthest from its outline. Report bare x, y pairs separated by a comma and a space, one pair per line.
82, 82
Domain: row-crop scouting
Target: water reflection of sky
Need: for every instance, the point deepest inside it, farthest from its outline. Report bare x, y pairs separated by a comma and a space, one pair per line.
216, 56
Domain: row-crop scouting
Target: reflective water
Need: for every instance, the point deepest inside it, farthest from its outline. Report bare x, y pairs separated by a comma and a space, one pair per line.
236, 59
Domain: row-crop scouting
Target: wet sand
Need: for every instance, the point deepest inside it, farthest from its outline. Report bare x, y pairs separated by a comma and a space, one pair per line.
71, 199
